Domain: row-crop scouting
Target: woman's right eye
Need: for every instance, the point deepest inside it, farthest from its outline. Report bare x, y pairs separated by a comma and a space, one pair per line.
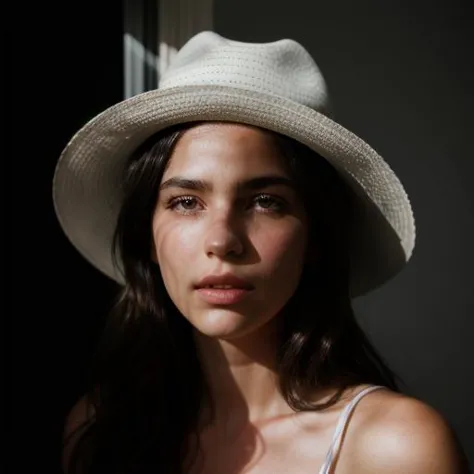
183, 204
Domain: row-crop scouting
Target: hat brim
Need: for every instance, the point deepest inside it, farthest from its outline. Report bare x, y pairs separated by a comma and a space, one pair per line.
87, 195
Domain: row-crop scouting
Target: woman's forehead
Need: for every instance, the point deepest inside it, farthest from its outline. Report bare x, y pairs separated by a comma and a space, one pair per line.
225, 151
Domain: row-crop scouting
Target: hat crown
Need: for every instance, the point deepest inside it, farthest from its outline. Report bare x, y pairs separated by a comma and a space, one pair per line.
283, 68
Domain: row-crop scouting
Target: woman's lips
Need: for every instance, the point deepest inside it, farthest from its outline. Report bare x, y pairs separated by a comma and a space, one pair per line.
223, 296
223, 289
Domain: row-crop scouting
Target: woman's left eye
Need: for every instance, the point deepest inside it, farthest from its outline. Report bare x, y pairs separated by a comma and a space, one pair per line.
269, 203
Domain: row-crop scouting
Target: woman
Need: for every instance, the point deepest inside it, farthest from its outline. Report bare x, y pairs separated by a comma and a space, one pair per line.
240, 221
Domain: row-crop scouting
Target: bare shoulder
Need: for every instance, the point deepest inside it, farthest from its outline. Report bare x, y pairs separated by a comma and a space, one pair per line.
79, 418
398, 433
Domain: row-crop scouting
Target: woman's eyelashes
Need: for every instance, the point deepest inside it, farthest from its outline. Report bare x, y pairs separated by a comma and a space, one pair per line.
262, 203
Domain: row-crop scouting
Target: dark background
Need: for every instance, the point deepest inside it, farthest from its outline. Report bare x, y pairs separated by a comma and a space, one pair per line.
400, 75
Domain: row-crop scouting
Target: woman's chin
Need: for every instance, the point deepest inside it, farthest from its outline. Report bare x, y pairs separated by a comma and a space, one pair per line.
221, 324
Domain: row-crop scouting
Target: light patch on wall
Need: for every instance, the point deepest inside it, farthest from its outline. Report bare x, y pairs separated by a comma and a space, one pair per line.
154, 32
136, 59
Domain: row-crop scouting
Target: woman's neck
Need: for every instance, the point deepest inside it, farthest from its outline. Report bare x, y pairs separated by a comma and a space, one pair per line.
242, 380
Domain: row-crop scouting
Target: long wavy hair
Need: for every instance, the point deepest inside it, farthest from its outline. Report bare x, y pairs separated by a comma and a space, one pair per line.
146, 383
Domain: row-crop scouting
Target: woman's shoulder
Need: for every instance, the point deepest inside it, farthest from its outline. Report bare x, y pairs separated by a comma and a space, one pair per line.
398, 433
81, 414
79, 418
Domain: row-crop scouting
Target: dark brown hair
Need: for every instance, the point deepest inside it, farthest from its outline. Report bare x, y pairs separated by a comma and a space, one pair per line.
147, 386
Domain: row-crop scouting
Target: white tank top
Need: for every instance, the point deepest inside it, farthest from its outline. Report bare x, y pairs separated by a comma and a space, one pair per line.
340, 429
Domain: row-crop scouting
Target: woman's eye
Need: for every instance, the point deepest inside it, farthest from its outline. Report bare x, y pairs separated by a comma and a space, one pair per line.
188, 203
183, 204
269, 203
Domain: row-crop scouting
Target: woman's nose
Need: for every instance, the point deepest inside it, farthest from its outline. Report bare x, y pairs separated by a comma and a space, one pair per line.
223, 239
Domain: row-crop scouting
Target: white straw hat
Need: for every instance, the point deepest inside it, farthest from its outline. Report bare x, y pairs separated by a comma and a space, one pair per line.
276, 86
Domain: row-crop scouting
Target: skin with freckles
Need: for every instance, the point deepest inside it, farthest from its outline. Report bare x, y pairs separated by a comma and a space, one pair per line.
255, 233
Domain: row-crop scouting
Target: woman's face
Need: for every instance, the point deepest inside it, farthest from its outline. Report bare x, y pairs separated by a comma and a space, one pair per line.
227, 210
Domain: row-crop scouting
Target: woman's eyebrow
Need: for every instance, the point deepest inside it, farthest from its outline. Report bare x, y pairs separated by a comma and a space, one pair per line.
253, 184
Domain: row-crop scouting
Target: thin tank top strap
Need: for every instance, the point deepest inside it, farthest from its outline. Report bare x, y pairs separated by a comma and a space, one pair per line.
340, 428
